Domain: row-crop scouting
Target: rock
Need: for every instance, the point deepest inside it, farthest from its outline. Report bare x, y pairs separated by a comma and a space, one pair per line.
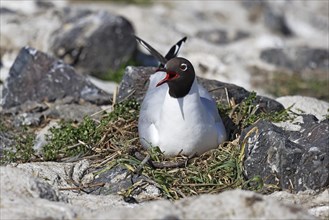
27, 29
294, 160
316, 203
218, 36
306, 105
135, 84
38, 185
119, 179
271, 14
35, 76
299, 59
94, 42
236, 204
71, 111
54, 173
107, 86
31, 6
32, 113
40, 138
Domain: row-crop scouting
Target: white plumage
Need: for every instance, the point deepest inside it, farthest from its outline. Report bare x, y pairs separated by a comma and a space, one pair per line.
190, 124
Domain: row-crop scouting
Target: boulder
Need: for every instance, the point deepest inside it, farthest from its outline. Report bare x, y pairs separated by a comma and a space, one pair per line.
316, 203
218, 36
295, 159
35, 76
300, 59
307, 105
93, 42
22, 189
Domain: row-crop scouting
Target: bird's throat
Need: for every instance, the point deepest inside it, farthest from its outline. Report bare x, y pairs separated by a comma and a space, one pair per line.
180, 88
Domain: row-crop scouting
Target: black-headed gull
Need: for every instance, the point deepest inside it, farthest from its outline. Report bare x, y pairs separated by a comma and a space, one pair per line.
177, 114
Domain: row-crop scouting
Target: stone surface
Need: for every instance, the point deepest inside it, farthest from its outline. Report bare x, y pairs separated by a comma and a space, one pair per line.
31, 6
119, 179
18, 195
235, 204
307, 105
268, 23
94, 42
294, 160
35, 76
273, 27
297, 59
270, 14
135, 84
317, 204
218, 36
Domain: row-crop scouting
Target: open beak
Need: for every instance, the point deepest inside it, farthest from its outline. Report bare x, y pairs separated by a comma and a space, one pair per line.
169, 76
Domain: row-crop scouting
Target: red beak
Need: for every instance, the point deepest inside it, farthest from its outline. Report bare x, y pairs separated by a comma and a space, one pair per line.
169, 76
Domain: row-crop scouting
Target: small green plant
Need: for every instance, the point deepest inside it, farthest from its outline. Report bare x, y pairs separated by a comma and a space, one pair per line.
71, 139
21, 147
247, 112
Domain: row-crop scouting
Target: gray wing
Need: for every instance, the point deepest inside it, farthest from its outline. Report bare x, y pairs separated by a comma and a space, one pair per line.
210, 104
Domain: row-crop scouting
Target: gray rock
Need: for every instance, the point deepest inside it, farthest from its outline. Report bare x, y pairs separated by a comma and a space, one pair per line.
218, 36
26, 186
317, 204
41, 137
119, 179
94, 42
26, 195
306, 105
35, 76
297, 59
236, 204
135, 84
31, 6
270, 14
293, 160
58, 175
71, 111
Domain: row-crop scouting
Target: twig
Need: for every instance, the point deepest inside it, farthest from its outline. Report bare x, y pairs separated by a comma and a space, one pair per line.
82, 187
100, 111
115, 96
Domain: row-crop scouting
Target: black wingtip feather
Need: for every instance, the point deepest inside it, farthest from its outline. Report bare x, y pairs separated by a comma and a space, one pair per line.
154, 52
175, 49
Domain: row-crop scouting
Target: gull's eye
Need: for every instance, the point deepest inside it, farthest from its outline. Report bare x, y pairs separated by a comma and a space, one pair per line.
183, 66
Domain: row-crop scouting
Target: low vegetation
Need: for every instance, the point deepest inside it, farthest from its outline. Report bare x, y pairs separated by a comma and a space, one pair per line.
284, 84
113, 141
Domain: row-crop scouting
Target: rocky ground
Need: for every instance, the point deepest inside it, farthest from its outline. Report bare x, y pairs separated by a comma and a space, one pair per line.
56, 55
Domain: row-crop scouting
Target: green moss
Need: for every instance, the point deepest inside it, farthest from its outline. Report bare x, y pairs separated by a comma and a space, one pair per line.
284, 84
